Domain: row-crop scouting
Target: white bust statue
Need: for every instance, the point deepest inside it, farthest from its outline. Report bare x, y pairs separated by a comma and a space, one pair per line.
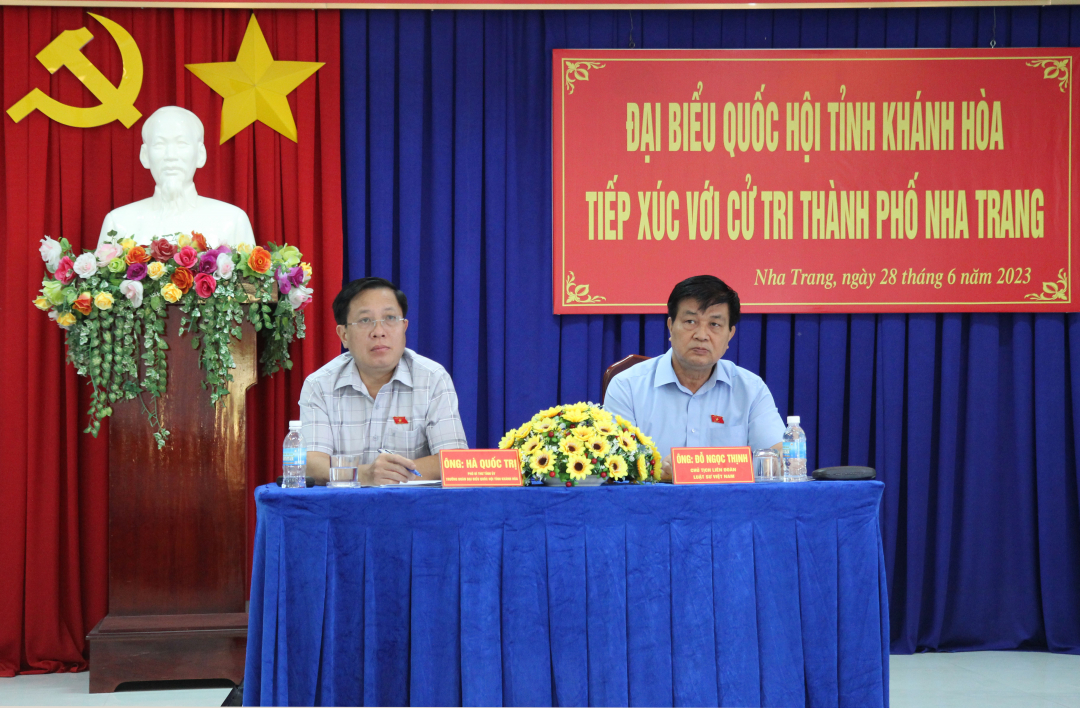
172, 150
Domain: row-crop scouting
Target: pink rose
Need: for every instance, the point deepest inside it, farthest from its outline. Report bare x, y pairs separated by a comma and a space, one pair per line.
300, 297
65, 270
106, 252
225, 266
132, 290
186, 257
205, 285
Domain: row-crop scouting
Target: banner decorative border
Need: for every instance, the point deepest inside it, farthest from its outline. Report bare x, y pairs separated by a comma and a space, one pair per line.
554, 5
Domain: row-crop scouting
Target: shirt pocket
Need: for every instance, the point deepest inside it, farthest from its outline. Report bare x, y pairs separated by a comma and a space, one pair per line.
408, 440
733, 432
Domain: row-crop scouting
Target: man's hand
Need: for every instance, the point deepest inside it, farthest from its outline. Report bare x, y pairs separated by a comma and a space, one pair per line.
387, 469
665, 469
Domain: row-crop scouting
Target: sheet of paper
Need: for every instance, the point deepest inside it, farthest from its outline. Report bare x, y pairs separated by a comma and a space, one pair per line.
414, 483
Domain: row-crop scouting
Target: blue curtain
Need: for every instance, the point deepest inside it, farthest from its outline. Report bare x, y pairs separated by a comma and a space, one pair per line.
968, 419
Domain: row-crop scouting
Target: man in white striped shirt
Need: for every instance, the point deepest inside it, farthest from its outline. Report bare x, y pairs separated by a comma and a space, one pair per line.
379, 395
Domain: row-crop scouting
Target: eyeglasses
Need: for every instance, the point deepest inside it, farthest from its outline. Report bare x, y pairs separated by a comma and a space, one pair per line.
389, 322
691, 324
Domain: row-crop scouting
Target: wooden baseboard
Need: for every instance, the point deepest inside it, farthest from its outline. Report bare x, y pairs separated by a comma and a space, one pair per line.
166, 648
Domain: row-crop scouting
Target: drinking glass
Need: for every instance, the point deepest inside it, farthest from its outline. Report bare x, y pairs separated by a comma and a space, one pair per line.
343, 469
768, 467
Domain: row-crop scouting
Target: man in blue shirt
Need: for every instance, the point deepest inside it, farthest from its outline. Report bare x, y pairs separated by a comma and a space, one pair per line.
690, 397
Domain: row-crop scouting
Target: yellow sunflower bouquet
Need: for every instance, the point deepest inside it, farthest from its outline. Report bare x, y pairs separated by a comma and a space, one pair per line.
582, 444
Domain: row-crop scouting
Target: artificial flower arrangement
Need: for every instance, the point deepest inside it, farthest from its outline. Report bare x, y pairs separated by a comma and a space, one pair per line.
568, 443
113, 304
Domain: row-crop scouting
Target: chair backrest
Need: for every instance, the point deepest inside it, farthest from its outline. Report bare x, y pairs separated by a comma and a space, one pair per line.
621, 365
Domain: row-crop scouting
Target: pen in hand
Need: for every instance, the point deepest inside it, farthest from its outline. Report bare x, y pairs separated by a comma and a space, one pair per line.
387, 452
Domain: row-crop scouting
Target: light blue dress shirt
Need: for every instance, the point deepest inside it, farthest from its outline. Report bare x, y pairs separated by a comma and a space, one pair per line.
650, 395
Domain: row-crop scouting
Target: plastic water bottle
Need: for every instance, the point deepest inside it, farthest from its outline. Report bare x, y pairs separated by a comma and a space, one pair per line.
294, 458
794, 451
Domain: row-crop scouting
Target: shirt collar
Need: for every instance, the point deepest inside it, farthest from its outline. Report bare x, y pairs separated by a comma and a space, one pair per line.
403, 372
665, 374
350, 375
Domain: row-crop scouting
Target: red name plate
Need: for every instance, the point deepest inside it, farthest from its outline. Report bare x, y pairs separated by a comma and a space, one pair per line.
480, 468
711, 465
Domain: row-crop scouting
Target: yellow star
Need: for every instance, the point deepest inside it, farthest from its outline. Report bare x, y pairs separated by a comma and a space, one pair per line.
255, 87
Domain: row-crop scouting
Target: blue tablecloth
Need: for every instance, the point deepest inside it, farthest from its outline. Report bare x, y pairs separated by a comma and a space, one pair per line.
736, 595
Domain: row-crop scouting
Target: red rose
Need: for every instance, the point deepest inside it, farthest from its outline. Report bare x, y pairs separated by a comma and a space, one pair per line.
65, 272
182, 279
199, 240
205, 285
162, 250
186, 257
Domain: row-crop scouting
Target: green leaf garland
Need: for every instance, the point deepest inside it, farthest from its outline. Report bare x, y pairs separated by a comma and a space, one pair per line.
117, 340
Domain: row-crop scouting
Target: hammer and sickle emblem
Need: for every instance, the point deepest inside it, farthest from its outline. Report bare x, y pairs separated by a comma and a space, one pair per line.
117, 102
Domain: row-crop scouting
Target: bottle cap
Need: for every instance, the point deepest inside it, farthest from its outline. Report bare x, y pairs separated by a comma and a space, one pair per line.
294, 425
793, 420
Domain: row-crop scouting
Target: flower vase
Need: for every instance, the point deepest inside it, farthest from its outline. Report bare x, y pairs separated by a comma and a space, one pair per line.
592, 480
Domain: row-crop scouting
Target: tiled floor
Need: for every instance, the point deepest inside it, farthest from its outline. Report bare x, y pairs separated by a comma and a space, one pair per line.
74, 690
983, 679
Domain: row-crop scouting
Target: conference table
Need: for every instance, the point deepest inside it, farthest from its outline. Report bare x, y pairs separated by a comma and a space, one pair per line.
732, 595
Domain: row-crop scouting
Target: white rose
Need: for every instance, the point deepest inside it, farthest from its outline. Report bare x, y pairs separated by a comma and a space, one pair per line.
132, 290
225, 266
86, 265
50, 253
298, 296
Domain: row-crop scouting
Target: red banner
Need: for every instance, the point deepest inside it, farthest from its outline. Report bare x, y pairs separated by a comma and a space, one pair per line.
525, 4
815, 181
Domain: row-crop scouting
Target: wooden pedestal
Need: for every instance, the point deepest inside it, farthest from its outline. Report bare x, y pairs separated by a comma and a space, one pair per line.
177, 530
160, 647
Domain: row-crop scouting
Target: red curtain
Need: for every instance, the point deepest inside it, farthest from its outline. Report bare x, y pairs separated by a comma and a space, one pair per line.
61, 181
